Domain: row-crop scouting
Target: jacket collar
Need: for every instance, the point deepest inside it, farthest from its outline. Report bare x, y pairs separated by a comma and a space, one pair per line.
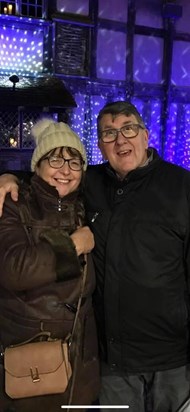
154, 160
50, 192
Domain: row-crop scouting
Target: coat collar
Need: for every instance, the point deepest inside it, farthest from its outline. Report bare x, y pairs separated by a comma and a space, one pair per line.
154, 160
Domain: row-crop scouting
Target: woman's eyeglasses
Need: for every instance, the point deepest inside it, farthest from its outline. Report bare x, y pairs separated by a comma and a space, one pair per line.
56, 162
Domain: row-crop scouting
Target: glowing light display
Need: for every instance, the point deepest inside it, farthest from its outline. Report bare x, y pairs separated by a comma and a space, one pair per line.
21, 50
176, 141
83, 121
109, 44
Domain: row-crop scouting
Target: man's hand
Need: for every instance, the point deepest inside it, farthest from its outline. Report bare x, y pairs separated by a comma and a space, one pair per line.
83, 239
8, 183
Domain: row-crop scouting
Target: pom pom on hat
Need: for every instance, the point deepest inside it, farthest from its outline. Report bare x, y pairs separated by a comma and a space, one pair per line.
49, 135
40, 127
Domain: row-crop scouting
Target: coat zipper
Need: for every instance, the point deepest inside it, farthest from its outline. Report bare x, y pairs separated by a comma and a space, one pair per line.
59, 205
94, 217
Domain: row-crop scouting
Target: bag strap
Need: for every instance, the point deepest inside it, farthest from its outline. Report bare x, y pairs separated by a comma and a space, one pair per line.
38, 335
73, 377
83, 281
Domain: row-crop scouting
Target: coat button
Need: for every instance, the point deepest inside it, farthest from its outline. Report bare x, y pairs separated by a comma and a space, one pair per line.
113, 366
111, 340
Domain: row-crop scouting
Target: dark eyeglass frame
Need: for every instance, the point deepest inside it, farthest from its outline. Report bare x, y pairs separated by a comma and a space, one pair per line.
69, 161
134, 126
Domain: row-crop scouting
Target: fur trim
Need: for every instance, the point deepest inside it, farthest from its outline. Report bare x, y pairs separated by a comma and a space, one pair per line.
67, 262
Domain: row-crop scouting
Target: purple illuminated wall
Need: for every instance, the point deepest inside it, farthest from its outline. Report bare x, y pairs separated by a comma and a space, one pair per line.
73, 6
22, 51
181, 64
148, 52
111, 43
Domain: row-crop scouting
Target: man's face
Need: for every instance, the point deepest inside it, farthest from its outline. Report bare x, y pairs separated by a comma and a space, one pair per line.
124, 154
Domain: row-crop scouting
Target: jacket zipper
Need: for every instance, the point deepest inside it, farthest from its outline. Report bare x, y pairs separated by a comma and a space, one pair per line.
94, 217
59, 205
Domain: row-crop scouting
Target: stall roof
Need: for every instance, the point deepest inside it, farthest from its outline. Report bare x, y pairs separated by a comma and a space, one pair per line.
44, 92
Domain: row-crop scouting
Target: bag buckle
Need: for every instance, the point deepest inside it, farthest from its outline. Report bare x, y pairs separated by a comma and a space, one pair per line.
34, 375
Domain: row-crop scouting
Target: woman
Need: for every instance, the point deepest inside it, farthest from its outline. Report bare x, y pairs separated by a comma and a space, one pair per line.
42, 257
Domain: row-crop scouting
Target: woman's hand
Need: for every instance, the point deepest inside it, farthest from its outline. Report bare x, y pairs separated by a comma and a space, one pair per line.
83, 240
8, 183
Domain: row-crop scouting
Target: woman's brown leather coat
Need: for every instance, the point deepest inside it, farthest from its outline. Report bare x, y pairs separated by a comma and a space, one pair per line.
31, 297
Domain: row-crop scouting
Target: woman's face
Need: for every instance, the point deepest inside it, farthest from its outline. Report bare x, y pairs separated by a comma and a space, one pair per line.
64, 179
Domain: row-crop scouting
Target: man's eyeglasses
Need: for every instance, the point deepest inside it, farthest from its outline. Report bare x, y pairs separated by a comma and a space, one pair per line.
129, 131
57, 162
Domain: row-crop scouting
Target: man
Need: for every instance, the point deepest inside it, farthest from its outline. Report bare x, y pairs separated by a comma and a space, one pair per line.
138, 207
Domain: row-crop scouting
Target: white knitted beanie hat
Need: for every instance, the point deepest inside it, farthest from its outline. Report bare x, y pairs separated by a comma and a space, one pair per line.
49, 135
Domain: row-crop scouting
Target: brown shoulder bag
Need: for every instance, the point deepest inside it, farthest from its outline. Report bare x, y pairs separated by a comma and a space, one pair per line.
43, 367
